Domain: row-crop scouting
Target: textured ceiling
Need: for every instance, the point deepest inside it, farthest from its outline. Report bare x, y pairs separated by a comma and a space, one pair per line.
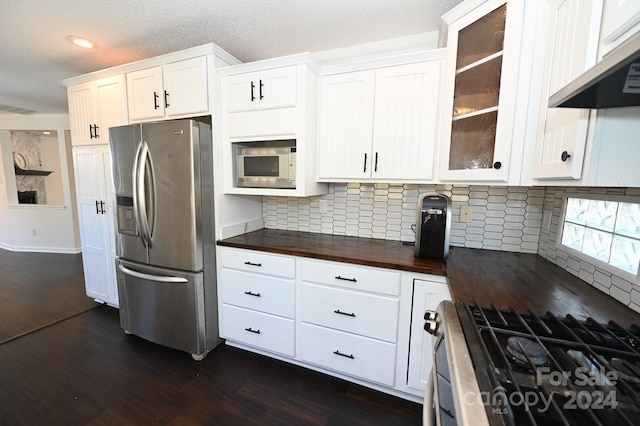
35, 56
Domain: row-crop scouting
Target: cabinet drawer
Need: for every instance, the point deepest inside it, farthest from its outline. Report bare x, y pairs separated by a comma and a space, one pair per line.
354, 355
257, 329
352, 277
365, 314
258, 262
258, 292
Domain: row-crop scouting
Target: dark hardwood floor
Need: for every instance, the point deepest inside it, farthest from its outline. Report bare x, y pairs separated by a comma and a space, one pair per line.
85, 370
37, 289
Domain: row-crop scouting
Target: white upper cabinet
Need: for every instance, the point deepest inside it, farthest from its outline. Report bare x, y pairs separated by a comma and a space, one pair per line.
571, 49
272, 88
620, 20
380, 124
265, 103
346, 125
94, 107
483, 80
171, 90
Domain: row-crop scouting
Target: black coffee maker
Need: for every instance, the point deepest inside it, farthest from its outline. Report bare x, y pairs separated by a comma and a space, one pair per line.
433, 224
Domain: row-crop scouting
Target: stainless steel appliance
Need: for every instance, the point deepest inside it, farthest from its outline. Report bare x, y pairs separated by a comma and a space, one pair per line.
503, 367
611, 83
163, 176
269, 164
433, 225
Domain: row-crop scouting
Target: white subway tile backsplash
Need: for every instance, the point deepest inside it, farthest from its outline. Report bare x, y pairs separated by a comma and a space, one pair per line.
387, 211
504, 218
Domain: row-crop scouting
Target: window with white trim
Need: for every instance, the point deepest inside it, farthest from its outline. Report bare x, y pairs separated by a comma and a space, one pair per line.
605, 231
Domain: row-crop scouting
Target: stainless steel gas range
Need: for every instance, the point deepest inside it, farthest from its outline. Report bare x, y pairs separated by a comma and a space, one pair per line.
502, 367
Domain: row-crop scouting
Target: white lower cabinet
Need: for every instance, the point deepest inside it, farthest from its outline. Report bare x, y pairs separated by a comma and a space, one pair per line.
350, 321
426, 296
348, 353
258, 329
96, 202
257, 299
354, 312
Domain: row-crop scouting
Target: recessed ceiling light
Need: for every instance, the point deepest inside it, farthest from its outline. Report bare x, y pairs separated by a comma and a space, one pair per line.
82, 42
46, 133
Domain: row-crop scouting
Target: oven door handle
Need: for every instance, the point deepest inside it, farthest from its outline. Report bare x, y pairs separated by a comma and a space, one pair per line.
428, 411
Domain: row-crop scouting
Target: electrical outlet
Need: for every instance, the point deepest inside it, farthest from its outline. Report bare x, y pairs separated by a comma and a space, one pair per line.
466, 214
322, 206
34, 232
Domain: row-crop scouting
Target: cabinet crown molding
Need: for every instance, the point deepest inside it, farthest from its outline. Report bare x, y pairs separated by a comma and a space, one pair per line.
297, 59
387, 61
205, 49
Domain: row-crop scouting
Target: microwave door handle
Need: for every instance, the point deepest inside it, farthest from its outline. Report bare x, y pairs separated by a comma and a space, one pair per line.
149, 277
136, 189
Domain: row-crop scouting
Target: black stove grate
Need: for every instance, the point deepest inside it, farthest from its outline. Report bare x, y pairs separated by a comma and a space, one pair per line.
553, 371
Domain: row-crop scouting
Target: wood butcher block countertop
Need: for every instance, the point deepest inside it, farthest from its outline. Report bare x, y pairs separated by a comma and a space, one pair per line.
518, 280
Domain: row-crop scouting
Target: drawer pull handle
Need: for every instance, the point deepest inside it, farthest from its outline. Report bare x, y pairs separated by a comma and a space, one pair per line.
344, 355
252, 264
338, 311
249, 293
353, 280
251, 330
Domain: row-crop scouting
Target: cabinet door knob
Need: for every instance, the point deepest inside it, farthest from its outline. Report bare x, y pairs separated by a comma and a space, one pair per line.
497, 165
97, 207
155, 101
261, 97
565, 156
90, 131
364, 170
95, 131
166, 99
253, 96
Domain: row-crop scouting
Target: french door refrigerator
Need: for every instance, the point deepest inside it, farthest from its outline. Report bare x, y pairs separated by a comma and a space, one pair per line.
165, 244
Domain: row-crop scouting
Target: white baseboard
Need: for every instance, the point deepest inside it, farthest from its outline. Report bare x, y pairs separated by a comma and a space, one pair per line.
61, 250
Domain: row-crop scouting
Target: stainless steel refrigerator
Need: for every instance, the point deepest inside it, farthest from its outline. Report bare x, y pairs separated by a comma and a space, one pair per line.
163, 176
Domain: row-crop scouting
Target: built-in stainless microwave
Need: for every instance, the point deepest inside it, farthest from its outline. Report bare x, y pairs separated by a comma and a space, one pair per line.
266, 166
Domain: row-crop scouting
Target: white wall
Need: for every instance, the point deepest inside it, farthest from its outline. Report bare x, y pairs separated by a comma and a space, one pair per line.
55, 226
51, 161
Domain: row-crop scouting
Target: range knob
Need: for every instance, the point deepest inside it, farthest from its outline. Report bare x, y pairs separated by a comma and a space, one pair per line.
431, 326
430, 315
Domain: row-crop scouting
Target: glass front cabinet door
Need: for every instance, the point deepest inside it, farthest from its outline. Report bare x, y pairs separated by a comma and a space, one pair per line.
482, 68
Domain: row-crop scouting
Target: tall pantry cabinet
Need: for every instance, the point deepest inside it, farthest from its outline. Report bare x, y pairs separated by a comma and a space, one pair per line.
96, 206
94, 107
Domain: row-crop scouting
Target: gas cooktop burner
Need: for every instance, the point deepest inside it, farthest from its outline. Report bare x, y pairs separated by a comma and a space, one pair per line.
625, 370
521, 348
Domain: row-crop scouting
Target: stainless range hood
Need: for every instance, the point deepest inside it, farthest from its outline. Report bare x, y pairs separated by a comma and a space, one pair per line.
613, 82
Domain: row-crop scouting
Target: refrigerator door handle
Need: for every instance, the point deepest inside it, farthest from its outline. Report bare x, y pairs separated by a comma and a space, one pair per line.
151, 219
150, 277
136, 189
141, 194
